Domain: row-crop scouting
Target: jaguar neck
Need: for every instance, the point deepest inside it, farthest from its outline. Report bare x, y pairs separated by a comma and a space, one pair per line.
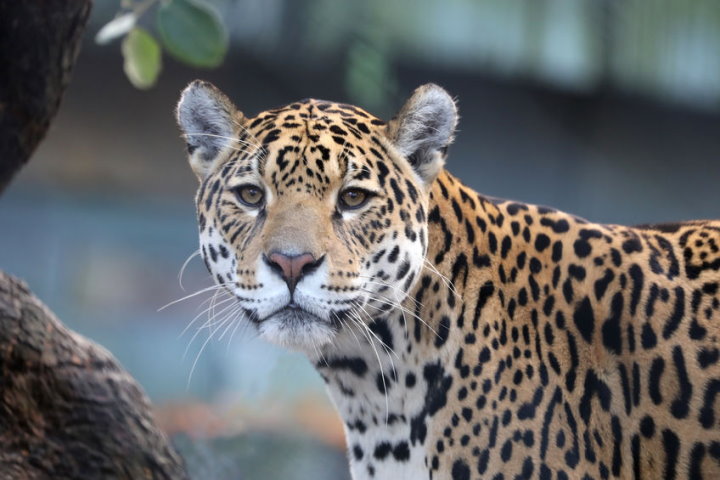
386, 382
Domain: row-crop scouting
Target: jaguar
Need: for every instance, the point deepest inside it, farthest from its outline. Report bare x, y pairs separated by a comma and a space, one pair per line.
459, 336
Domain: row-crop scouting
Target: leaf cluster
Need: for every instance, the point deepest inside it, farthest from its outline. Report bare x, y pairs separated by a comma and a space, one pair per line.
191, 31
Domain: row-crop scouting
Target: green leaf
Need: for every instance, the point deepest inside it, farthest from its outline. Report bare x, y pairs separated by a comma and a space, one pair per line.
142, 56
192, 32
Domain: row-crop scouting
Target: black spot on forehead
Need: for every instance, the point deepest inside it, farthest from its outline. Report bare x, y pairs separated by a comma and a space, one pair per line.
300, 140
313, 109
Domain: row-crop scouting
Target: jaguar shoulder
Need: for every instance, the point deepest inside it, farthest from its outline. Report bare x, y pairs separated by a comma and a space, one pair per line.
459, 336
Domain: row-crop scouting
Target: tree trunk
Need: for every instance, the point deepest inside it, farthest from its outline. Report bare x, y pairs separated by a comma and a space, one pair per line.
67, 409
39, 42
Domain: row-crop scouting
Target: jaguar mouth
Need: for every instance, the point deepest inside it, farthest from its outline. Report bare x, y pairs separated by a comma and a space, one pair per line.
293, 313
294, 327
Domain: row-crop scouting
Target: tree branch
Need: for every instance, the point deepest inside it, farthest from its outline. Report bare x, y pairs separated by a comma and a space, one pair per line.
67, 409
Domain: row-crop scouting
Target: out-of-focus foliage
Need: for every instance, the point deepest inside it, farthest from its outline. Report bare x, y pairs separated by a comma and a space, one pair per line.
190, 30
117, 27
142, 58
669, 49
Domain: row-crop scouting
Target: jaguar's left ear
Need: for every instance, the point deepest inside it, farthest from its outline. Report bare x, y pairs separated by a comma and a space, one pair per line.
424, 128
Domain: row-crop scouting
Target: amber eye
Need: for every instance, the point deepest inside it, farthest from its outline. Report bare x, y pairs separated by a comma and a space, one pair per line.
250, 195
353, 198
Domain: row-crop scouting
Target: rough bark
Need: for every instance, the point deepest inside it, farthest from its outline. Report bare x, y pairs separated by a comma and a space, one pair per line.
67, 409
39, 42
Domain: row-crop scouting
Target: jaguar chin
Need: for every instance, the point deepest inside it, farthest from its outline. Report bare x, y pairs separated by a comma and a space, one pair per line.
297, 329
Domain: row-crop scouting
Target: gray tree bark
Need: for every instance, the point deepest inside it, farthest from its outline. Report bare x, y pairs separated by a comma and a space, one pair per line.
67, 408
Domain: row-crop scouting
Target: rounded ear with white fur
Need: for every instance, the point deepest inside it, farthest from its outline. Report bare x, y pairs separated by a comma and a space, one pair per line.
424, 128
209, 122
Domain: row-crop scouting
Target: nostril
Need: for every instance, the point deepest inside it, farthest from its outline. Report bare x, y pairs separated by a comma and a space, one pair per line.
312, 265
300, 263
292, 267
281, 264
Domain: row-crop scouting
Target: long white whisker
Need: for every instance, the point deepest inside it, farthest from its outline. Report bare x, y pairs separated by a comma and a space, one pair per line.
233, 315
319, 351
443, 278
387, 301
349, 327
207, 325
253, 137
232, 139
185, 264
387, 348
213, 314
395, 289
203, 290
239, 320
197, 357
382, 371
195, 319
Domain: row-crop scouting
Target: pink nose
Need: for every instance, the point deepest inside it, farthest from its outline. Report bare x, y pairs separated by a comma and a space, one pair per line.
292, 267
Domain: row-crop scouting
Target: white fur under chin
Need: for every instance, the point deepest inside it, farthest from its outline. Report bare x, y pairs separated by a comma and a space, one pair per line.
301, 334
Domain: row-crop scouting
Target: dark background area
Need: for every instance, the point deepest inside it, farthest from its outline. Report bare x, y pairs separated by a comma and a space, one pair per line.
609, 110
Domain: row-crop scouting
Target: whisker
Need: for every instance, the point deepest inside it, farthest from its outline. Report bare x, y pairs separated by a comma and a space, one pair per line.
446, 281
387, 348
253, 137
387, 301
195, 319
207, 325
395, 288
232, 139
233, 315
185, 264
239, 320
212, 315
203, 290
382, 371
197, 357
318, 350
349, 327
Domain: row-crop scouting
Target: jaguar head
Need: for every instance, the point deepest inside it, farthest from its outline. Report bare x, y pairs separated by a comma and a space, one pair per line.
314, 215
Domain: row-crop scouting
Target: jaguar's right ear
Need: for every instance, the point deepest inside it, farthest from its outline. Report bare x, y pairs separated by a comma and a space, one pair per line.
210, 124
423, 130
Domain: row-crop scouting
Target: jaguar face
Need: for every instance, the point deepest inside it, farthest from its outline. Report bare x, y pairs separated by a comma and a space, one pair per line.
314, 214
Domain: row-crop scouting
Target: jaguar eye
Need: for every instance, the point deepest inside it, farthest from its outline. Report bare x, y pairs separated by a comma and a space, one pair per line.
250, 195
353, 198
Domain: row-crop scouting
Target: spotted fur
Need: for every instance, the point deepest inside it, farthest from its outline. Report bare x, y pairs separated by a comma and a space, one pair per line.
460, 336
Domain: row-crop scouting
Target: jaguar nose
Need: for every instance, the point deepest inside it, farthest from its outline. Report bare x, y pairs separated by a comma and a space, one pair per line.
292, 267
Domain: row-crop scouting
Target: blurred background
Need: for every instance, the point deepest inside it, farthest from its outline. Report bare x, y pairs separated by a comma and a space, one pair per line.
607, 109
